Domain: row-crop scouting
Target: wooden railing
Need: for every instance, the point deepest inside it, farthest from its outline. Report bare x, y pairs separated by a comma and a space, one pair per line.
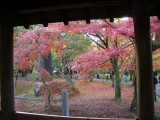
33, 116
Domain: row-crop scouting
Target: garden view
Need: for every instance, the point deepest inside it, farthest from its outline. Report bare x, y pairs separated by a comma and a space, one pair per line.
95, 63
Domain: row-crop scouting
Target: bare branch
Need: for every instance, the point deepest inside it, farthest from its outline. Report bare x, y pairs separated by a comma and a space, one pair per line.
109, 23
95, 42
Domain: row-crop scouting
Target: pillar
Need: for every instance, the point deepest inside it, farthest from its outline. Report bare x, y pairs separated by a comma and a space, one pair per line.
145, 91
6, 71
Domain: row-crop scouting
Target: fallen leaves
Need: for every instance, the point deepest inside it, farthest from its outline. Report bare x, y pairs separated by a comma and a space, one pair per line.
95, 100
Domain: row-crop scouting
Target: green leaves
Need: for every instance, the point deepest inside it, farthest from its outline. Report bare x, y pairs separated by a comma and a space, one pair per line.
77, 44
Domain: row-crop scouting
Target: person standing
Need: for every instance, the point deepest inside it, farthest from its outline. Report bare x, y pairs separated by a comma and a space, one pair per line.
154, 72
98, 77
155, 81
125, 76
70, 72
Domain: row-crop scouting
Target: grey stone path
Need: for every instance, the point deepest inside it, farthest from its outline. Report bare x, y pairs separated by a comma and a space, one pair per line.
158, 90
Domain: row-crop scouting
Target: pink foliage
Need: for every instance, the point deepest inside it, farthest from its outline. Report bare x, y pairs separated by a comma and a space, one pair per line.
96, 26
155, 24
33, 42
95, 60
111, 29
127, 27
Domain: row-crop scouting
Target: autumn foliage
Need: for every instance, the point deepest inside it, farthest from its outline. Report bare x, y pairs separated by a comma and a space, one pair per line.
57, 86
95, 60
29, 45
45, 75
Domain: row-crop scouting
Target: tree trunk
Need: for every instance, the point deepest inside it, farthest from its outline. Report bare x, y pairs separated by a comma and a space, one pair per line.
48, 94
68, 79
117, 81
66, 71
113, 81
133, 107
46, 63
131, 75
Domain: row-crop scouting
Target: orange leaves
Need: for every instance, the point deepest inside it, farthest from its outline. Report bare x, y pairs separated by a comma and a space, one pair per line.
33, 55
44, 49
157, 51
156, 65
24, 64
31, 43
45, 75
156, 57
59, 46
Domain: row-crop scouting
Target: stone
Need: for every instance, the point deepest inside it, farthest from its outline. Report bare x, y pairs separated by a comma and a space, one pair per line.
37, 86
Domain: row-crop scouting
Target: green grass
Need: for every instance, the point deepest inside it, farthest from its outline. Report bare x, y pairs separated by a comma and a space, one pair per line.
157, 111
23, 87
34, 75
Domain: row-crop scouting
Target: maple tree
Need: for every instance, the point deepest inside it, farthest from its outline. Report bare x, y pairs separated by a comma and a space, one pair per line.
77, 44
155, 29
34, 46
102, 31
33, 49
104, 35
33, 43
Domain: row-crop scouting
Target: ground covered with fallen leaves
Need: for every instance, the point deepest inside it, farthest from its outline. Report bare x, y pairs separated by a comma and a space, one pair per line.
95, 99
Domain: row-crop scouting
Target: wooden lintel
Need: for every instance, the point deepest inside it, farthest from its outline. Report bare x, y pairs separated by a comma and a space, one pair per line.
111, 19
45, 24
62, 6
66, 22
88, 21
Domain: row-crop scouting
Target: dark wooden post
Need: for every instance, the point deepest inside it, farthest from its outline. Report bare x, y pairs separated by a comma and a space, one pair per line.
144, 62
6, 71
